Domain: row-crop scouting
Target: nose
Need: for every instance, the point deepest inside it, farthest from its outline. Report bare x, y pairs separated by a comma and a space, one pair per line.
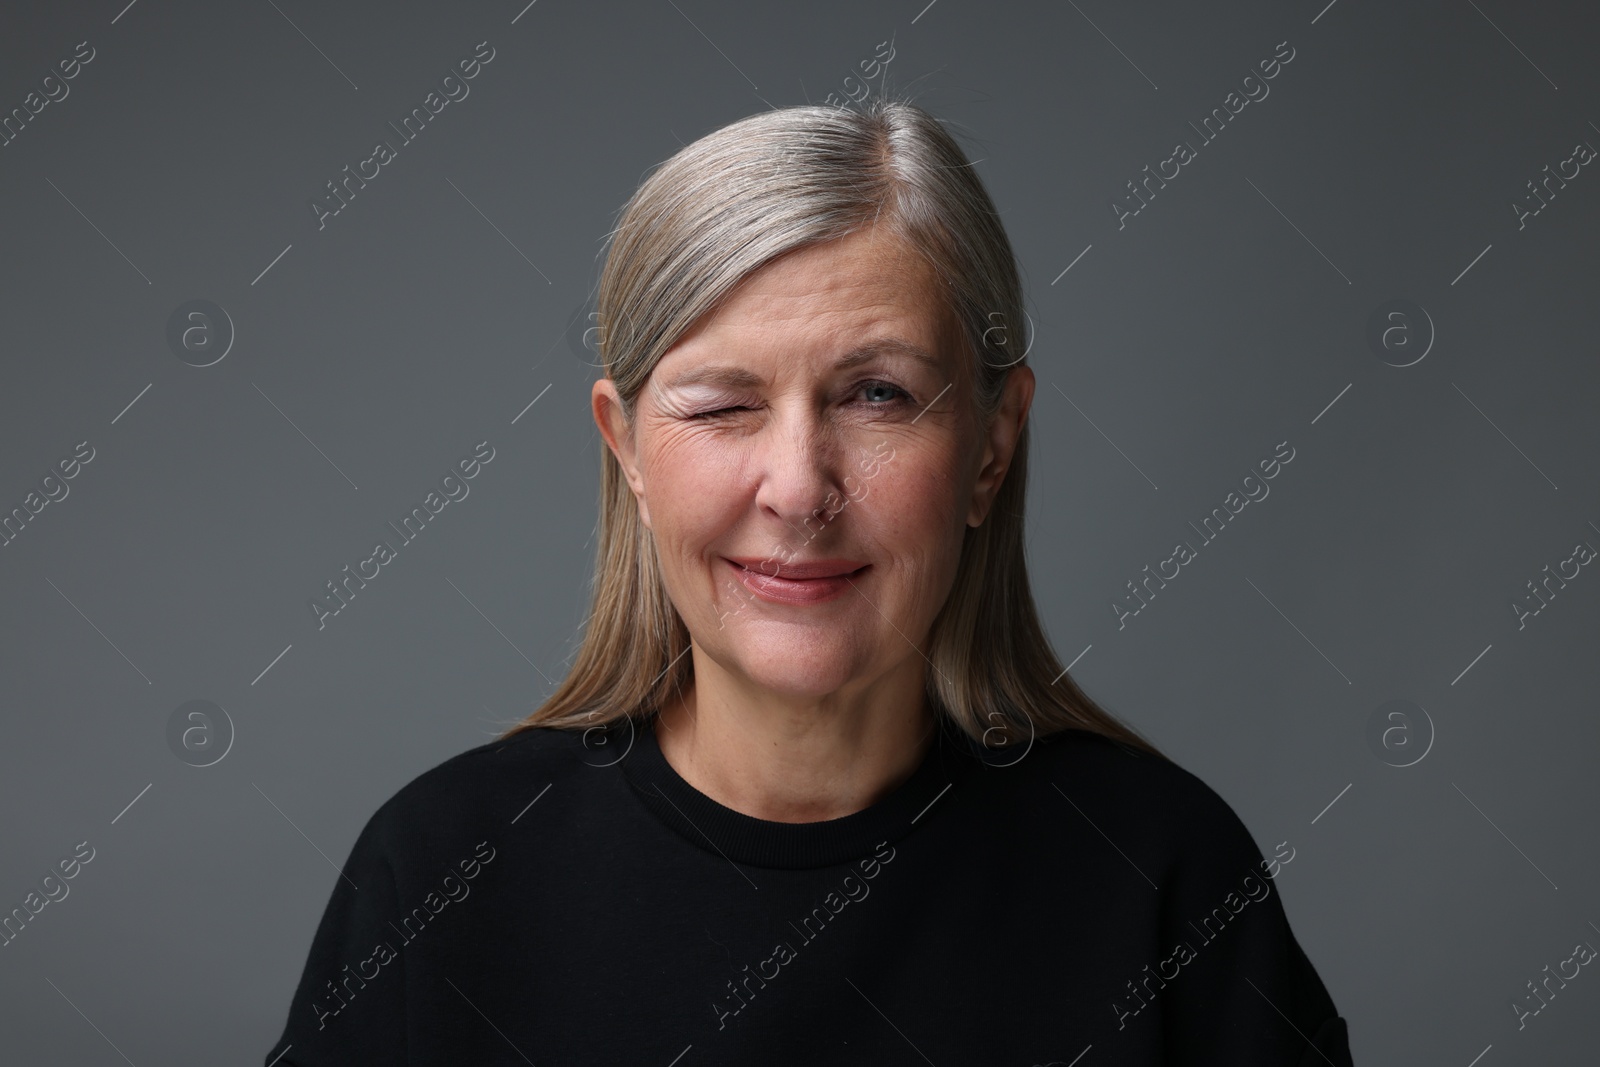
797, 472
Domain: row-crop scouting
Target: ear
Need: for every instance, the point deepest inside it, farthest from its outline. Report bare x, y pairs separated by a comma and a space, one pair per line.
619, 437
1000, 441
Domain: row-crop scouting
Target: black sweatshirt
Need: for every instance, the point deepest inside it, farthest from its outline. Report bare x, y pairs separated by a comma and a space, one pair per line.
566, 898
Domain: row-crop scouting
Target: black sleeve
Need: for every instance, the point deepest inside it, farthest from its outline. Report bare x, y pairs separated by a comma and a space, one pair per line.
349, 1007
1239, 989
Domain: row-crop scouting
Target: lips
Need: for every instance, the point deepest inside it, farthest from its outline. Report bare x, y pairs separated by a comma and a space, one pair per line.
799, 571
803, 582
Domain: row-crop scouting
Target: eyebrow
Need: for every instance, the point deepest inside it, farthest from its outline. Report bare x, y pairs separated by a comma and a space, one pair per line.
739, 377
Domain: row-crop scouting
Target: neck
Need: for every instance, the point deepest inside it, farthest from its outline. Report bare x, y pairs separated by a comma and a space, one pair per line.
787, 759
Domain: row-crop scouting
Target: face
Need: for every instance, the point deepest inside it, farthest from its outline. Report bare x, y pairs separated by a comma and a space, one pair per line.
809, 460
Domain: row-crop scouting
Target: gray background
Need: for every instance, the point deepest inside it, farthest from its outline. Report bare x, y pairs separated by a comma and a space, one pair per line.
374, 353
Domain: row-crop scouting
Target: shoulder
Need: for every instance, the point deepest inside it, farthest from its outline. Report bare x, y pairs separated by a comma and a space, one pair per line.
1143, 801
1109, 771
492, 766
479, 794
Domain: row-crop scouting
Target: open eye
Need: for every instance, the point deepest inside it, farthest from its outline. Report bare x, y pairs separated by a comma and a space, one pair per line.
881, 394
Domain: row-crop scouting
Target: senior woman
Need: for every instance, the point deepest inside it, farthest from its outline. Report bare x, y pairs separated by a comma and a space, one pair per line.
816, 789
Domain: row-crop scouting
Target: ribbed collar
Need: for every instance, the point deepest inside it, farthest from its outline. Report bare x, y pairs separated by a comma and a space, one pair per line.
760, 843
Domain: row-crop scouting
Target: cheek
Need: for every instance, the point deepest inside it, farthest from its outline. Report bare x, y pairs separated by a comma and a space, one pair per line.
915, 505
688, 488
671, 461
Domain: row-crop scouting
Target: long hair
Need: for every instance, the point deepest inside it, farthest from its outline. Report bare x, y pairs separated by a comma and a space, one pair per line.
707, 218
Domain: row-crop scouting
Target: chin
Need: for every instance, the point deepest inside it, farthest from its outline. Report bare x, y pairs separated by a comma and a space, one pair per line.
794, 660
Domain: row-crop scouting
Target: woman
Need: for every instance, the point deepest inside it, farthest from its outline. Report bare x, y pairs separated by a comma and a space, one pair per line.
816, 789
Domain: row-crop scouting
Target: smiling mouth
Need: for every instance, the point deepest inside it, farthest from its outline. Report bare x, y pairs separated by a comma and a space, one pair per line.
810, 582
821, 568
